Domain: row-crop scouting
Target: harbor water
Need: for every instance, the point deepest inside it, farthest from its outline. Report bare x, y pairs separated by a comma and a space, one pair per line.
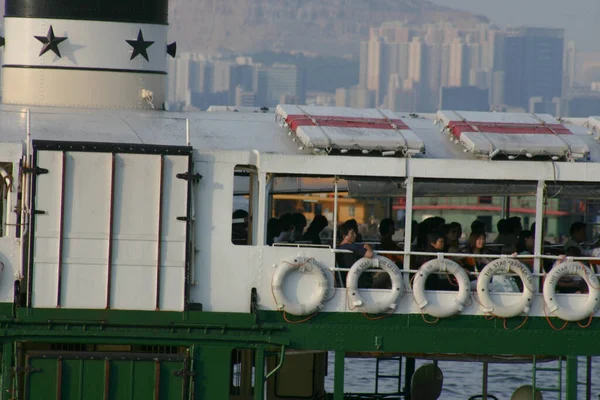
464, 379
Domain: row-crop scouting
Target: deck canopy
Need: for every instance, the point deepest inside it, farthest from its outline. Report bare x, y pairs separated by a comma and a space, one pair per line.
347, 129
512, 135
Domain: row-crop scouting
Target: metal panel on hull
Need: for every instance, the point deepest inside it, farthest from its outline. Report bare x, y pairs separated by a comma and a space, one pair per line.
110, 230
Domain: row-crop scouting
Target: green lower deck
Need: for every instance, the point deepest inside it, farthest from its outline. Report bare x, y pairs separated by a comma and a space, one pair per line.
89, 354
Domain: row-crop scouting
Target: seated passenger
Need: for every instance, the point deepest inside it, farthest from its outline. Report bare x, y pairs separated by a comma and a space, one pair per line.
273, 230
515, 225
506, 237
299, 221
452, 234
475, 245
525, 246
435, 244
387, 228
478, 227
351, 223
428, 225
287, 229
316, 227
347, 260
577, 236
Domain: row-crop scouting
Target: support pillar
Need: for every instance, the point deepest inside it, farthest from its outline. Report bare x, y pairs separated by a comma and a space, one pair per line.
571, 378
259, 374
7, 356
338, 375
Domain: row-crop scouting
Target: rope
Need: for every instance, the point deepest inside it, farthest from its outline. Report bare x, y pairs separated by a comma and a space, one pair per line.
518, 327
588, 323
550, 322
376, 318
297, 322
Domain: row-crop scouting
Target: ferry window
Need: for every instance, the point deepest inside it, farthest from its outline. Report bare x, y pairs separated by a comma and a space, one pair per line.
485, 217
301, 211
245, 194
568, 206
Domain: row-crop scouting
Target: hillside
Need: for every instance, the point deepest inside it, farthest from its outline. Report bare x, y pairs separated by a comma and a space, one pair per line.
321, 26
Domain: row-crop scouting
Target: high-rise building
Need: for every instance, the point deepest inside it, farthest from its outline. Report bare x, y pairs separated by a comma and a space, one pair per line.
569, 67
532, 64
465, 98
280, 81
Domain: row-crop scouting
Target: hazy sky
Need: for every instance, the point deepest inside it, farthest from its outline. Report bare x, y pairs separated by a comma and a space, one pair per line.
580, 18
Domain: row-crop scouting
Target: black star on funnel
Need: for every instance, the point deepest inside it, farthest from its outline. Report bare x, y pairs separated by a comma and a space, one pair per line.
50, 42
139, 46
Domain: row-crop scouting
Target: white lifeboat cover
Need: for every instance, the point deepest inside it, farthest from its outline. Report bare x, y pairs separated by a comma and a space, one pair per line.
349, 128
513, 134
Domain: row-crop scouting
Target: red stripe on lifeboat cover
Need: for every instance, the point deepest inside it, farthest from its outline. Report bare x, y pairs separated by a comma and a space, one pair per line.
295, 121
459, 127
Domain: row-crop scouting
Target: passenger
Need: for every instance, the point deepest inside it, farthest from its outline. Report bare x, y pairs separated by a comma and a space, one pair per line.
532, 229
525, 243
387, 228
516, 227
506, 237
347, 260
273, 230
525, 246
452, 234
299, 221
475, 245
478, 227
239, 227
354, 225
577, 235
316, 227
427, 226
435, 244
287, 229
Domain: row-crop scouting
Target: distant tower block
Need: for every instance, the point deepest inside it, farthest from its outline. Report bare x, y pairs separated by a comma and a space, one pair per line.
78, 53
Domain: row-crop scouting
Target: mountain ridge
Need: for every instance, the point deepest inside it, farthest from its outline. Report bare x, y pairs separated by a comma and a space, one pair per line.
332, 27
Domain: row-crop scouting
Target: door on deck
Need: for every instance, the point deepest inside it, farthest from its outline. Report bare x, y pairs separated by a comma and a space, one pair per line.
109, 227
52, 375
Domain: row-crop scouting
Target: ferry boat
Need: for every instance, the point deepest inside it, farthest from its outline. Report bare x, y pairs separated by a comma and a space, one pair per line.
137, 260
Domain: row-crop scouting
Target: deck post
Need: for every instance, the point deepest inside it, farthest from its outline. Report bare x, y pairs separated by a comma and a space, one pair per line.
259, 374
539, 229
571, 378
7, 357
338, 375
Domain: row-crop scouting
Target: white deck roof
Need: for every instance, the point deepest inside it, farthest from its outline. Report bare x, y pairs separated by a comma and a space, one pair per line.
221, 131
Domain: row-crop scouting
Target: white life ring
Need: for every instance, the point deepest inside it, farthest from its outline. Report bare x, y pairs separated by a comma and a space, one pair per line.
388, 304
319, 295
500, 266
593, 297
435, 309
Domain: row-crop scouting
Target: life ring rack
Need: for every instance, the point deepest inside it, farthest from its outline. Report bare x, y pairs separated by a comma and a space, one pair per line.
549, 290
305, 265
505, 265
388, 305
432, 308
